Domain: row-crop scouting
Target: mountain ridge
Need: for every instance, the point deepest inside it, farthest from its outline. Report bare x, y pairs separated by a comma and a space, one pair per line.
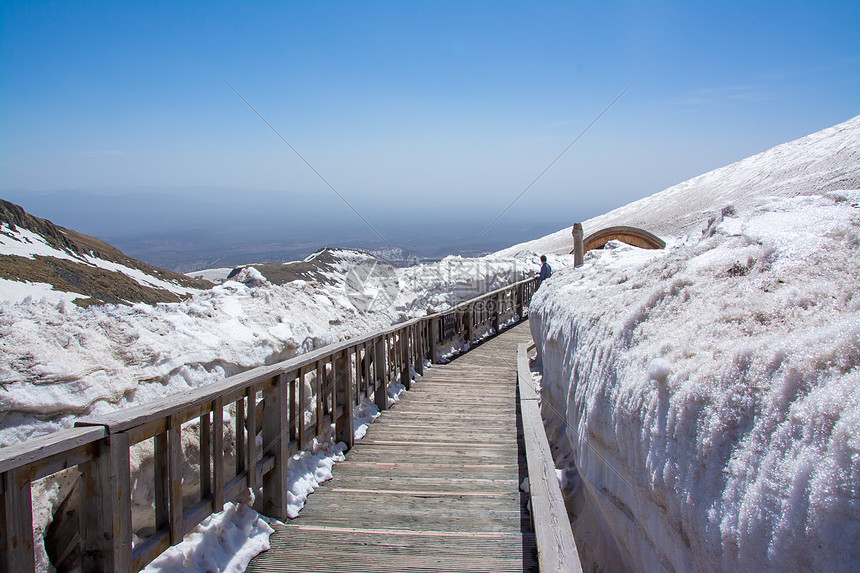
73, 262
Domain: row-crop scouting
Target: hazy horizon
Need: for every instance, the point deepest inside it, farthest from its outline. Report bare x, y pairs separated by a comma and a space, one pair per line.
186, 230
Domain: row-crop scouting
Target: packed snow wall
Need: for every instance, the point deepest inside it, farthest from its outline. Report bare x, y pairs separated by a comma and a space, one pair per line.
704, 400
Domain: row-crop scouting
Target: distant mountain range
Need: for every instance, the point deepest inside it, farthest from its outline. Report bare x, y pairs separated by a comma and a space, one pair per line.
40, 257
188, 229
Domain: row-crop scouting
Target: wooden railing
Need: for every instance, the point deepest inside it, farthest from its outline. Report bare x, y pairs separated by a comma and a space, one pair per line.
286, 404
556, 546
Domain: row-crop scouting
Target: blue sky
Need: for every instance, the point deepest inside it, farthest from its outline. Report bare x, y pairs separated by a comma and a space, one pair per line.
416, 105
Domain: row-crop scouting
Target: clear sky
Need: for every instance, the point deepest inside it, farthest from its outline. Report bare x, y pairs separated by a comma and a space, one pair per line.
416, 104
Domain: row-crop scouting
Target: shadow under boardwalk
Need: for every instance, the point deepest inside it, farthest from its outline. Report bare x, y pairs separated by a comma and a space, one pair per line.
433, 486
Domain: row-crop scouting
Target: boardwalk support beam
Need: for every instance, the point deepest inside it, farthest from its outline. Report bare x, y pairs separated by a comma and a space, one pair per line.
276, 443
556, 546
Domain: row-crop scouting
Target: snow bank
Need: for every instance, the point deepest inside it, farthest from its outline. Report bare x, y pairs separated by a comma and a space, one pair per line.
705, 399
224, 542
818, 163
59, 362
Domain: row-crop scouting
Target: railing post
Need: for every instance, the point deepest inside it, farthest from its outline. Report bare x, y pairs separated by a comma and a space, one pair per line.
578, 244
380, 392
344, 398
16, 523
106, 511
275, 442
496, 310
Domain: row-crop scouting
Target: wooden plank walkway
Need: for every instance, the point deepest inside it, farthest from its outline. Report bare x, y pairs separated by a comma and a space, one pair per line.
433, 486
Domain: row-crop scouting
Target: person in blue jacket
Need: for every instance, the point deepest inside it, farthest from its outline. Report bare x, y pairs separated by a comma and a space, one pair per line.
545, 270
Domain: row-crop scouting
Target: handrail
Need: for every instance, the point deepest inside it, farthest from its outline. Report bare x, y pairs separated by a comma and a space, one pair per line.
271, 402
556, 546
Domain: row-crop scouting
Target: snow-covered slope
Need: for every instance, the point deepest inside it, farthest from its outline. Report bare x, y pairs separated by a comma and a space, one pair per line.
821, 162
704, 400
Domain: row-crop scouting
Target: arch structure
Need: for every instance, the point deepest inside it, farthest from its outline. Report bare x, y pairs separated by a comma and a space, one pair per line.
630, 235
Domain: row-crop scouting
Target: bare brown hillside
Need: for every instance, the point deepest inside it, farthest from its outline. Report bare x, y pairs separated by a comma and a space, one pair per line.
99, 285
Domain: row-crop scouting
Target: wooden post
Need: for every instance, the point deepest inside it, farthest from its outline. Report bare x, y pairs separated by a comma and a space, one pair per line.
434, 336
380, 393
496, 311
106, 513
344, 431
273, 502
16, 523
578, 244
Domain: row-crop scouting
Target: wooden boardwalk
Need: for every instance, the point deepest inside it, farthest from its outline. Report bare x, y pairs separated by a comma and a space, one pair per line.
433, 486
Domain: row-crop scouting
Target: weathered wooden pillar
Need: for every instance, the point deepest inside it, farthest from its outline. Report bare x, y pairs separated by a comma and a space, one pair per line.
434, 336
496, 312
344, 383
16, 523
273, 502
106, 511
578, 244
380, 393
